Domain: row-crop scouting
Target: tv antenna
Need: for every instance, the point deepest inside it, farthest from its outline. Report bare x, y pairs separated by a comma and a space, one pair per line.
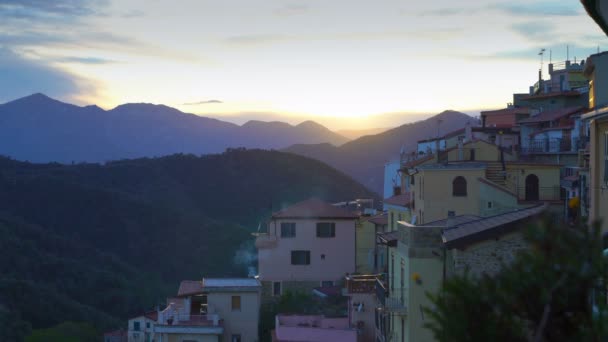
540, 73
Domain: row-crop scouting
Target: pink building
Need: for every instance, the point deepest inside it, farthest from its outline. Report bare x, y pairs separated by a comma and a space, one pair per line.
293, 328
307, 245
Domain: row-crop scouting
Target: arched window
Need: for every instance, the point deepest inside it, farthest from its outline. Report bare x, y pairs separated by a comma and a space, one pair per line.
459, 186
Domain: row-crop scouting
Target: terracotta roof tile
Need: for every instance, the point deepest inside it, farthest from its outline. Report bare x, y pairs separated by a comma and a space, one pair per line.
314, 208
400, 200
551, 115
190, 287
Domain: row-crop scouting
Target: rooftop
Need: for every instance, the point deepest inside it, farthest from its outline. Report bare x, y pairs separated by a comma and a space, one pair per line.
191, 287
552, 94
381, 219
454, 221
313, 328
400, 200
551, 115
462, 234
314, 208
453, 165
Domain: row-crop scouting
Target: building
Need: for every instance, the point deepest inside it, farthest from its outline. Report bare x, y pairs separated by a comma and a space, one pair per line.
371, 258
424, 255
392, 180
120, 335
212, 309
312, 328
597, 72
307, 245
141, 328
362, 304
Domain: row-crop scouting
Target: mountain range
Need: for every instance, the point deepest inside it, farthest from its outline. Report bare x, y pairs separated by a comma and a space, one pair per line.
364, 158
40, 129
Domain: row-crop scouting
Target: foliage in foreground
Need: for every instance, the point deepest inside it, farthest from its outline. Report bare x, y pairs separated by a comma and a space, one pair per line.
552, 292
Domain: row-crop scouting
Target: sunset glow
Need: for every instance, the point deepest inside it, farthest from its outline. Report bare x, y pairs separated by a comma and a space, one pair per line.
345, 64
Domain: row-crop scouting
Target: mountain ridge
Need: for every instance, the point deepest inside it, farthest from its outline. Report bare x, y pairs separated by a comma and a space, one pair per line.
364, 158
39, 128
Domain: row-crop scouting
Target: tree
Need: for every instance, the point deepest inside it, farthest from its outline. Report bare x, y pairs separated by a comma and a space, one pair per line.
553, 291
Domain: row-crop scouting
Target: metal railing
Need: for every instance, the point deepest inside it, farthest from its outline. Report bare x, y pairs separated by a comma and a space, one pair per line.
553, 145
197, 320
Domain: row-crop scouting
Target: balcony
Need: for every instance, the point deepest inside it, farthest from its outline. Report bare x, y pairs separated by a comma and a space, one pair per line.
397, 304
542, 146
361, 283
189, 324
264, 240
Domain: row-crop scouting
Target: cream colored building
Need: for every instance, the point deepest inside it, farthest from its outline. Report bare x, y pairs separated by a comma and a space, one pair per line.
141, 328
213, 309
425, 255
307, 245
597, 72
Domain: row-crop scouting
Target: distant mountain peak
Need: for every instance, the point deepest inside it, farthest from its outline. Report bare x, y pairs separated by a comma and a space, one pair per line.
311, 124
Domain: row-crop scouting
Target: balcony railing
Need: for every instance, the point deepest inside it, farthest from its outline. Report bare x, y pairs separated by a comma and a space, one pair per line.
191, 320
554, 145
361, 283
396, 303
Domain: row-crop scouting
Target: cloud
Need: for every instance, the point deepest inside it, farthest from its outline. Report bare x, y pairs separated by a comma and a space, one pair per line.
256, 39
538, 9
21, 76
292, 9
85, 60
536, 30
46, 8
448, 11
202, 102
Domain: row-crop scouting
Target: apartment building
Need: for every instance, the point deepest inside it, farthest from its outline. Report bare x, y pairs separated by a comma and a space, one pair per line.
370, 257
309, 244
211, 309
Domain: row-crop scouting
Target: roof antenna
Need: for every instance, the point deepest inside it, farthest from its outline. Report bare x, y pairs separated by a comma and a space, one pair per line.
541, 53
567, 52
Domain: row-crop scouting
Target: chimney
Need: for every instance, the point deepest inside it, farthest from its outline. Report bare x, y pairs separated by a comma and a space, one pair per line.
468, 132
460, 150
550, 68
437, 151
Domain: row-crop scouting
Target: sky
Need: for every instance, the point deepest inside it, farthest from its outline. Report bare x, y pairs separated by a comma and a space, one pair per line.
347, 64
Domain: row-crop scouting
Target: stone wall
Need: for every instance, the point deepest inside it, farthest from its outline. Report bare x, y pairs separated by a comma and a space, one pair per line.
488, 256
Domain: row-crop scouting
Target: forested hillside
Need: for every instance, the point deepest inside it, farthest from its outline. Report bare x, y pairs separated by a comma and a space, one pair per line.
98, 243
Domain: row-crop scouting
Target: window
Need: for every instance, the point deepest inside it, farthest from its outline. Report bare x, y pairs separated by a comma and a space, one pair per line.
327, 283
490, 204
300, 257
326, 229
276, 288
288, 229
236, 303
459, 186
148, 325
236, 338
136, 326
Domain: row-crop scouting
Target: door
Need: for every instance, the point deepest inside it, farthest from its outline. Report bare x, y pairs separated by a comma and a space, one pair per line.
532, 188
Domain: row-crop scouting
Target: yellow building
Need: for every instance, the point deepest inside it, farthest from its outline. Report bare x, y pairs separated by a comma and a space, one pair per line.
597, 72
423, 256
